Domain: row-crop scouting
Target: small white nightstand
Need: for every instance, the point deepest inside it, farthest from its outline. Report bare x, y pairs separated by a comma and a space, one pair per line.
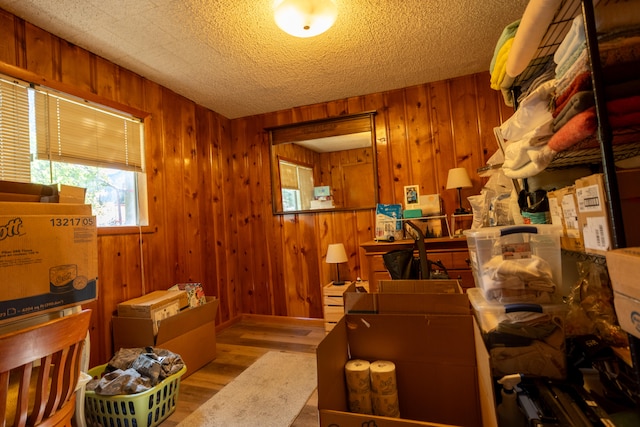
333, 302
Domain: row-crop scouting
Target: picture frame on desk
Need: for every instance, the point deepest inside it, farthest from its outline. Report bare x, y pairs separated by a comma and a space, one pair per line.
411, 196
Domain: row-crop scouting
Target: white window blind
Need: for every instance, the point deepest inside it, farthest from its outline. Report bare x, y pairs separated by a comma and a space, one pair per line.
76, 131
288, 175
14, 132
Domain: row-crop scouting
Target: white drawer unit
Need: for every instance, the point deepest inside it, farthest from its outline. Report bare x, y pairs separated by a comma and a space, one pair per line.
333, 302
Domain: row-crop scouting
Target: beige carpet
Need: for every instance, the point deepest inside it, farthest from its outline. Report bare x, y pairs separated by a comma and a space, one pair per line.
269, 393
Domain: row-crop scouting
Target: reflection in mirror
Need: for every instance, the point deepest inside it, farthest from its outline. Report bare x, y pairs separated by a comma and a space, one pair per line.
325, 164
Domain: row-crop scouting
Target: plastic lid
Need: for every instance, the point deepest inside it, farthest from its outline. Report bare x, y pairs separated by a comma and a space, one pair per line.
492, 232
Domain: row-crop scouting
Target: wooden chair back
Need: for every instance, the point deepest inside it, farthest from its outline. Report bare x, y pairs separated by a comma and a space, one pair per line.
43, 363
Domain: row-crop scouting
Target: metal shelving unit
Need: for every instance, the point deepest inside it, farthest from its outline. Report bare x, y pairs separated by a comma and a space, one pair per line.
608, 145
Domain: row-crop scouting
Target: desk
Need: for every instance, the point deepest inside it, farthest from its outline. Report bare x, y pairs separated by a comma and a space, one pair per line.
452, 252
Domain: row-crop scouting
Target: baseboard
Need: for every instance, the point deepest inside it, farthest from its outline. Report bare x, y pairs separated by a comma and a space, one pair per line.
265, 318
304, 321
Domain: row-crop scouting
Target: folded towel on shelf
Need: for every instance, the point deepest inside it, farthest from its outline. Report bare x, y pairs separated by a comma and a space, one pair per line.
622, 112
574, 40
622, 90
619, 73
582, 82
543, 75
619, 55
615, 16
574, 58
507, 33
524, 161
579, 127
578, 103
533, 113
580, 66
499, 70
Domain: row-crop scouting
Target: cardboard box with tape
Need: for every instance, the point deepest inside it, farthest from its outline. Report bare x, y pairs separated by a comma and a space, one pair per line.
48, 257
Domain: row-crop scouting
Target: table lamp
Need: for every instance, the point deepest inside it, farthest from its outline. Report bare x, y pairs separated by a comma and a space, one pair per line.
336, 255
459, 178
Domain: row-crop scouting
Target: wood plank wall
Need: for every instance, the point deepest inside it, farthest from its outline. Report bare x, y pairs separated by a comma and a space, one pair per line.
209, 183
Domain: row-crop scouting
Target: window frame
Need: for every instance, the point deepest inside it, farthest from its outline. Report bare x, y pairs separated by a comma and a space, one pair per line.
144, 116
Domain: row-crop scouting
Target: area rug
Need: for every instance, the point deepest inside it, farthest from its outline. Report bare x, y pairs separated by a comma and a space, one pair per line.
269, 393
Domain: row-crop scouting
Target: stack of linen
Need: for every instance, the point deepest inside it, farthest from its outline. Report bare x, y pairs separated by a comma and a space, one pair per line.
556, 106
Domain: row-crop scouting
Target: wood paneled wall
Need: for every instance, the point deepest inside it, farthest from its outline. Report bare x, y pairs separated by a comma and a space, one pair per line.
209, 184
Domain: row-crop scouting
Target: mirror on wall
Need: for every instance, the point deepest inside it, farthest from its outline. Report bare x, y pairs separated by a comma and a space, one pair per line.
321, 165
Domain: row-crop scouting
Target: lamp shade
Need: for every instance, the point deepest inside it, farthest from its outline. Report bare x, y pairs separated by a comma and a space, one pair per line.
458, 178
305, 18
336, 254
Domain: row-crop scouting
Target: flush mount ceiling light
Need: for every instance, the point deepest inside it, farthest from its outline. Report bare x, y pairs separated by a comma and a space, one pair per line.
305, 18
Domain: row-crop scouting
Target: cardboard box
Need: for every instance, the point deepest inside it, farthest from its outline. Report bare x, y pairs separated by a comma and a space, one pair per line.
157, 305
190, 333
593, 210
629, 192
35, 208
624, 270
413, 296
593, 218
48, 258
71, 194
442, 369
628, 313
563, 209
11, 191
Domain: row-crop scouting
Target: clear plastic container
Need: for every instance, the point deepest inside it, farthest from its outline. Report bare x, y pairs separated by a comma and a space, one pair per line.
517, 263
522, 338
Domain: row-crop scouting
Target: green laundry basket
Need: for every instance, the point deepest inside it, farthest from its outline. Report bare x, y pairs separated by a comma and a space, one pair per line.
146, 409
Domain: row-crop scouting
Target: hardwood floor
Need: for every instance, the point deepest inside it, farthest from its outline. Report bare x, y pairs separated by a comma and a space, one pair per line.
238, 346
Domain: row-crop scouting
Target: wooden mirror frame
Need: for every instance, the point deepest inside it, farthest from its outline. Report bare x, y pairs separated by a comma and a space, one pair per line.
329, 168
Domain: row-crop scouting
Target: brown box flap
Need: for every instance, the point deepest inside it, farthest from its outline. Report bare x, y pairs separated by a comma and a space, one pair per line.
187, 320
410, 296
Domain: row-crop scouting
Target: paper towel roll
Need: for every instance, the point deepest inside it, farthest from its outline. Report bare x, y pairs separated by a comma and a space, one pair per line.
360, 403
357, 374
386, 405
359, 386
383, 377
384, 389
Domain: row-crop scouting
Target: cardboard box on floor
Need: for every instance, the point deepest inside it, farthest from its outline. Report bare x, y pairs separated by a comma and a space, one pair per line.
48, 257
624, 270
442, 365
426, 296
156, 305
190, 333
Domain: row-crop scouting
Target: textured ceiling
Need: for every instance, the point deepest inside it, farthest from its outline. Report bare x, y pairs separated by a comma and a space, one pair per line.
229, 55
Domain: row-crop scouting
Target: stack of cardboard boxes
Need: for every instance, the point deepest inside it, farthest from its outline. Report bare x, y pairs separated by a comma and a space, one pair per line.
169, 319
48, 251
582, 210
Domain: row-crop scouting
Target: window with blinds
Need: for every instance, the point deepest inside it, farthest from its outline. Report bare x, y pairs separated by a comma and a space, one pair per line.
296, 182
48, 137
14, 132
74, 131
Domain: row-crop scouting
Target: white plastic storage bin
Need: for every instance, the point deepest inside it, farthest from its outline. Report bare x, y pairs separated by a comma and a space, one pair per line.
522, 338
517, 263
